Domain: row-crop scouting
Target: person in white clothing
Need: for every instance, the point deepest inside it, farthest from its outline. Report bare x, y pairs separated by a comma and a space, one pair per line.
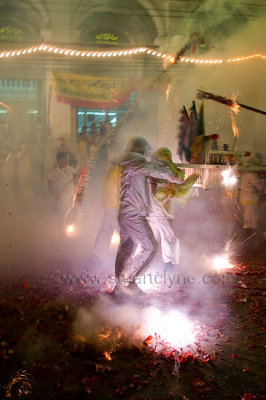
161, 216
251, 188
137, 243
61, 186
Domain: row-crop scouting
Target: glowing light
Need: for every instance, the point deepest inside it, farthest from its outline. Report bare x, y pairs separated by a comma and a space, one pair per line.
235, 107
229, 179
115, 239
107, 355
171, 58
172, 326
221, 262
70, 230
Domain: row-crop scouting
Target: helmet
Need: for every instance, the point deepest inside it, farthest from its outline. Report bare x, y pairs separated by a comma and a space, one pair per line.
138, 144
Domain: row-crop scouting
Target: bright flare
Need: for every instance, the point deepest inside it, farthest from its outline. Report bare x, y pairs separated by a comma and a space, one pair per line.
229, 179
172, 327
235, 107
70, 230
107, 355
221, 262
115, 239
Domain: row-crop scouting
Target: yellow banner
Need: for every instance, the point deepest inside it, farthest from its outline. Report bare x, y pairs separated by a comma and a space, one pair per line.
100, 91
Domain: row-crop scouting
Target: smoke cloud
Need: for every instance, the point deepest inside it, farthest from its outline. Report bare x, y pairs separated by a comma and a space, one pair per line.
30, 241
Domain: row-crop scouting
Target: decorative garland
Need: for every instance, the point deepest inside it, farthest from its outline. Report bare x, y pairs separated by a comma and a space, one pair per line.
50, 49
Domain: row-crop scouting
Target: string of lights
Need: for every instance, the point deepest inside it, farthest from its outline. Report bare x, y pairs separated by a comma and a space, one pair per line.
50, 49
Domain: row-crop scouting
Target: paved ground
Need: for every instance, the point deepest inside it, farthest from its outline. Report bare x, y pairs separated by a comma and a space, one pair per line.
62, 339
63, 336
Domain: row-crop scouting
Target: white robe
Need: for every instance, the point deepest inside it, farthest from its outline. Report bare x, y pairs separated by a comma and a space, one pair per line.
251, 186
62, 179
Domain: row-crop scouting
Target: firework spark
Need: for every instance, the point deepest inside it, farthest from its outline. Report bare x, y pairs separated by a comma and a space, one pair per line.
107, 355
70, 230
115, 240
234, 242
222, 262
172, 327
229, 178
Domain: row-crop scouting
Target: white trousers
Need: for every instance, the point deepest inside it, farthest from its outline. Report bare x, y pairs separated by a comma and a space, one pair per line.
163, 231
136, 250
250, 215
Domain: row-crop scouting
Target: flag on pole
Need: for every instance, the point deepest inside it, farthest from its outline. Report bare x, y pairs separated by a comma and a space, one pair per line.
197, 135
201, 128
183, 136
194, 123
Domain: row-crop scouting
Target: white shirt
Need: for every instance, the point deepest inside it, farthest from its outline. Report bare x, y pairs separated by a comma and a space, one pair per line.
135, 194
62, 179
251, 186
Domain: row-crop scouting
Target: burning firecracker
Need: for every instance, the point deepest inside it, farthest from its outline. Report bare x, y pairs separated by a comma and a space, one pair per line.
228, 101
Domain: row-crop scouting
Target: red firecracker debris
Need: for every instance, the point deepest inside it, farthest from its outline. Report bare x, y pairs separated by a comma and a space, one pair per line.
148, 341
185, 357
